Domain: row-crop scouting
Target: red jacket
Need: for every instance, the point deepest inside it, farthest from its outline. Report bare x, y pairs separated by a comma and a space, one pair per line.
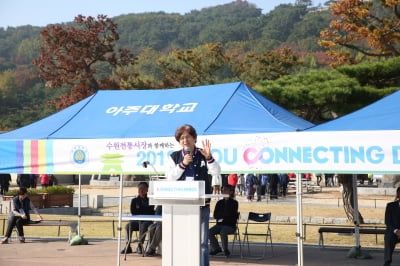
44, 179
232, 179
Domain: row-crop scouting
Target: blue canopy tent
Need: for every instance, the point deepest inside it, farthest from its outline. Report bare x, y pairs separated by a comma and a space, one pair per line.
102, 123
382, 115
230, 108
116, 131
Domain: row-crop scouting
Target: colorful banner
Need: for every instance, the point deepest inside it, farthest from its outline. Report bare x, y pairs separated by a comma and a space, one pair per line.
335, 152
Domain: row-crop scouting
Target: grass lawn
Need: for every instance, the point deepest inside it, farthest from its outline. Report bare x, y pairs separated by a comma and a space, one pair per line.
106, 227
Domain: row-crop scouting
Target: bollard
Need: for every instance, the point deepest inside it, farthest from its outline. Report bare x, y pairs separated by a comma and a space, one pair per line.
96, 200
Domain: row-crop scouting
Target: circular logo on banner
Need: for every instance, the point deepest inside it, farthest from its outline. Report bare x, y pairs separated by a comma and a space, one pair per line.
79, 155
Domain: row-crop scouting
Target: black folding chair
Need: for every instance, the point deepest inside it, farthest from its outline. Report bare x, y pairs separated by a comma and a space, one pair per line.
236, 236
252, 228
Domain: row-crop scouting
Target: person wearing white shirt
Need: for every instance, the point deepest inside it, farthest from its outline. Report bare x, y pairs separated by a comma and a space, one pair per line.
194, 163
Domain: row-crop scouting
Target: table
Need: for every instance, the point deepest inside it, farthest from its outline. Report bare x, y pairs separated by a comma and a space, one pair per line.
143, 217
140, 218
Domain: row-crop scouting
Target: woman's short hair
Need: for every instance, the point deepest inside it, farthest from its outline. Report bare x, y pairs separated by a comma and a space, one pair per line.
22, 191
185, 128
143, 183
230, 188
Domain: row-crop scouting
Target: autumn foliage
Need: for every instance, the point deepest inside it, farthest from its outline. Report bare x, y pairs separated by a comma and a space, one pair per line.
69, 56
362, 29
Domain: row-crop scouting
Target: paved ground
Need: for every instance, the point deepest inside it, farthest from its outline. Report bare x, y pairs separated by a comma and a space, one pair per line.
48, 252
43, 252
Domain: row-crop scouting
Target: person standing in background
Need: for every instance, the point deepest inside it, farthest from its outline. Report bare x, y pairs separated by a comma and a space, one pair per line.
319, 178
264, 183
23, 180
273, 186
33, 180
257, 186
5, 180
193, 164
44, 180
284, 182
241, 184
233, 180
251, 185
216, 182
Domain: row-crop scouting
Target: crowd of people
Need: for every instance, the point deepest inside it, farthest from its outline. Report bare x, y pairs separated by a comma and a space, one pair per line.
257, 186
31, 180
254, 186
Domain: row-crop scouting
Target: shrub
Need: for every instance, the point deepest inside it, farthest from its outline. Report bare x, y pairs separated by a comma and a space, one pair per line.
58, 190
49, 190
14, 192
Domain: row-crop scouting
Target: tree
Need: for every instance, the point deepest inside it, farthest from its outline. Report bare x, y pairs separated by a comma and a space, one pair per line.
306, 32
270, 65
348, 197
362, 27
27, 51
319, 96
69, 56
281, 20
23, 99
381, 74
193, 66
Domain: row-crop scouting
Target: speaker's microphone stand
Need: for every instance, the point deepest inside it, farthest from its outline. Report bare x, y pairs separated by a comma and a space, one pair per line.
157, 175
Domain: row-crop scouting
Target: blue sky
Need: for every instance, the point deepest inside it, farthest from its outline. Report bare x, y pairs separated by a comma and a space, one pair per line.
15, 13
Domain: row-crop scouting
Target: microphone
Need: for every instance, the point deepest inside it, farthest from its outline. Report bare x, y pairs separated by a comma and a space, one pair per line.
145, 163
186, 149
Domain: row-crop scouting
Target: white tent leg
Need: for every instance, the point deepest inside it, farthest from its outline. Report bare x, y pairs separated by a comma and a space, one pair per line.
356, 217
120, 219
79, 204
356, 252
299, 233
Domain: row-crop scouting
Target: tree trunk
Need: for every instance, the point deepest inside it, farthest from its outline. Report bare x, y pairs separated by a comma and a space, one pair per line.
348, 197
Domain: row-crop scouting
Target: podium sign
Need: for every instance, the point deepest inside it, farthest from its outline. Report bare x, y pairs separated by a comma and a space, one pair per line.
177, 193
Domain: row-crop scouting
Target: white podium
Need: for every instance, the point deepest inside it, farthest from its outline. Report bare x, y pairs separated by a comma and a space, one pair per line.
181, 201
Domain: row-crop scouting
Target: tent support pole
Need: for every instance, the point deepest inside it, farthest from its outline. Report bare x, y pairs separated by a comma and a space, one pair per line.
121, 187
355, 215
299, 233
356, 252
79, 204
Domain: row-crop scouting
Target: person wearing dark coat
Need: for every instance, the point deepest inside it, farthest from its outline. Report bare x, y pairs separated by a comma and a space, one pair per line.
273, 186
5, 180
226, 215
392, 221
139, 205
23, 180
20, 215
283, 182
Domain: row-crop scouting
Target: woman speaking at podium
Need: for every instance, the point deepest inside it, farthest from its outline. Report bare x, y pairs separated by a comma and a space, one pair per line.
195, 164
